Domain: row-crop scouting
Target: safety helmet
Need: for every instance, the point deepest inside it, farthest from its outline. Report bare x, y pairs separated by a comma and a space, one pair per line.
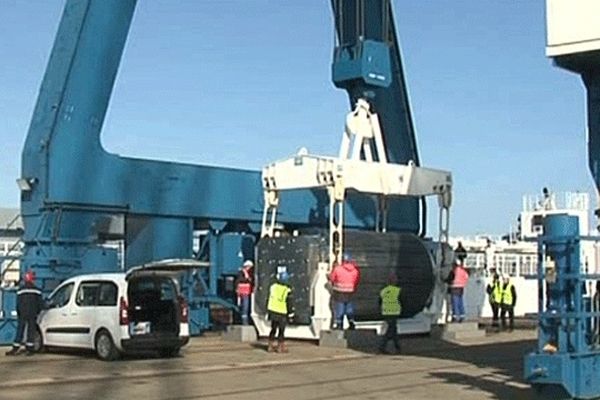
248, 263
283, 277
29, 277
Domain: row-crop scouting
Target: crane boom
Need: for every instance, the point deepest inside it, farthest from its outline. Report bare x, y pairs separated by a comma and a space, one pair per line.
77, 198
367, 64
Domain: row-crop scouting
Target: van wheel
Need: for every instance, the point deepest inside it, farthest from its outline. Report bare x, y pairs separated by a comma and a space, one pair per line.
105, 347
168, 352
38, 341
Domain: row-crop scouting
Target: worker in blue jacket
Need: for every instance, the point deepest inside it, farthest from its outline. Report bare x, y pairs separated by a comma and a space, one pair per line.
29, 305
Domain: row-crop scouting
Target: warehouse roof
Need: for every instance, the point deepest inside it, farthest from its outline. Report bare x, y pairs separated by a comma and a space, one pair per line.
10, 216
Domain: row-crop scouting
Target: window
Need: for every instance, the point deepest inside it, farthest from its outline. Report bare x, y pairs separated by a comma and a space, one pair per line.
167, 291
87, 295
108, 294
61, 297
97, 293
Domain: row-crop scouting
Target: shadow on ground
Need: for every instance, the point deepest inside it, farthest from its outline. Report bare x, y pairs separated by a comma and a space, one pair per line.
499, 363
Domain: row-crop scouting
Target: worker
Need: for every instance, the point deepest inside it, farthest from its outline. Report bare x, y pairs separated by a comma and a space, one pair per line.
281, 309
244, 287
448, 295
494, 291
490, 251
509, 299
547, 202
29, 305
457, 290
344, 280
391, 308
460, 251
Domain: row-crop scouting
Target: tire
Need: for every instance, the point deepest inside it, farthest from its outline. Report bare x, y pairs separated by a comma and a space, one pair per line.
38, 341
105, 346
169, 352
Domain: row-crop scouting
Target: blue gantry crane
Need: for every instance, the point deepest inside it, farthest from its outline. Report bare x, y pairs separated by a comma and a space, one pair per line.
83, 207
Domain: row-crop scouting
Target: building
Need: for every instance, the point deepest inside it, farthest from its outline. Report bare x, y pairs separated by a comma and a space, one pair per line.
516, 253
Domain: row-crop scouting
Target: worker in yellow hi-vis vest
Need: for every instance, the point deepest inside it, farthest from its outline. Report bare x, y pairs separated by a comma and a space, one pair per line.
391, 308
281, 308
508, 302
494, 291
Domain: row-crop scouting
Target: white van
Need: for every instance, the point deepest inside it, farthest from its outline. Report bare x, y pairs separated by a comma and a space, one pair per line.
113, 313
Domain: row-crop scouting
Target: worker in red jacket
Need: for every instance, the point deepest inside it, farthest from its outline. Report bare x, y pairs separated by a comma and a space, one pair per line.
344, 280
460, 277
244, 287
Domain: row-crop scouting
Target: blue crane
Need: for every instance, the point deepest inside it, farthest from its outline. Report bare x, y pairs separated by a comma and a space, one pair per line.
79, 203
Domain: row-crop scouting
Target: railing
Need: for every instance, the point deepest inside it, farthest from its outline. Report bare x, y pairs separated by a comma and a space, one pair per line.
557, 201
10, 252
511, 264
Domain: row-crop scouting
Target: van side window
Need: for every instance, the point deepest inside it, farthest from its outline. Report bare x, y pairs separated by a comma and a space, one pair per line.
87, 295
61, 297
108, 294
96, 293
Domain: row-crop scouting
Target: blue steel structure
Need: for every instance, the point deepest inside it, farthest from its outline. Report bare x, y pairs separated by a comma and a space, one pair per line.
77, 198
575, 370
566, 363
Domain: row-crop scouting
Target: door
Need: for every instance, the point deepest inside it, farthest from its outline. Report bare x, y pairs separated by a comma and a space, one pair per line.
82, 316
52, 320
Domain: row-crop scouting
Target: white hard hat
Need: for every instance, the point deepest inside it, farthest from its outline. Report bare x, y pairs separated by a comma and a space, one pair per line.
248, 263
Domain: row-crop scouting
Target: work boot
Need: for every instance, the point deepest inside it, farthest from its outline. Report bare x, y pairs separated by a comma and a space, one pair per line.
281, 348
271, 348
351, 325
12, 352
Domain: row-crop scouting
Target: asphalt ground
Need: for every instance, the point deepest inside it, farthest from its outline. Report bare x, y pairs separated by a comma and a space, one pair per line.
210, 368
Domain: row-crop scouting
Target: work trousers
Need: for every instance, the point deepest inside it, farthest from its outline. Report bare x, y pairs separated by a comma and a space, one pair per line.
343, 306
278, 323
458, 305
495, 313
391, 333
25, 324
245, 309
510, 310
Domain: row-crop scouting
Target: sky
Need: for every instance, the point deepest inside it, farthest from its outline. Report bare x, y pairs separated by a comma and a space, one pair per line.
242, 83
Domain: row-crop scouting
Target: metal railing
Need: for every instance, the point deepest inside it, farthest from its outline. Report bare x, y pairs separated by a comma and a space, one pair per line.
512, 264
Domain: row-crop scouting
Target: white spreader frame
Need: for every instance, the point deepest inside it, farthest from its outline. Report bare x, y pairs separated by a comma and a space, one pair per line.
362, 166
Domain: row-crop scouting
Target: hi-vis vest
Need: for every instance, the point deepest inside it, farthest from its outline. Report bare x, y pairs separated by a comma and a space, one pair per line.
496, 295
389, 301
278, 294
507, 297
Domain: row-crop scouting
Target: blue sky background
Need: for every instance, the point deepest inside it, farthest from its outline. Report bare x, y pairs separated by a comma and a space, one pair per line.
241, 83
